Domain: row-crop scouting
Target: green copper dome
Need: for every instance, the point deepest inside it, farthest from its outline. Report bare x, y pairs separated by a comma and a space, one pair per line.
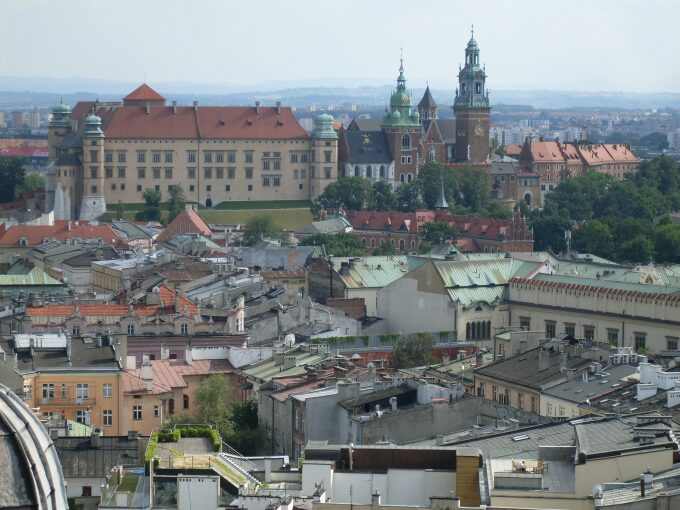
93, 126
401, 112
323, 127
61, 108
60, 115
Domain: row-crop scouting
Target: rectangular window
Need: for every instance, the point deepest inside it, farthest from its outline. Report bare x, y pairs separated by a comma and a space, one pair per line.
589, 332
534, 404
219, 157
168, 157
107, 417
277, 181
207, 157
231, 157
550, 329
640, 341
570, 329
156, 173
157, 187
327, 173
107, 390
293, 157
208, 187
93, 189
48, 390
265, 164
121, 157
156, 411
93, 156
266, 155
139, 187
192, 187
82, 391
191, 157
136, 413
227, 187
168, 173
295, 173
249, 156
121, 173
277, 165
520, 401
113, 186
156, 157
141, 173
81, 416
303, 157
108, 157
265, 181
231, 173
93, 172
327, 156
141, 157
219, 173
613, 337
494, 392
191, 173
481, 390
301, 186
671, 343
249, 173
525, 323
109, 172
303, 174
122, 185
250, 187
207, 173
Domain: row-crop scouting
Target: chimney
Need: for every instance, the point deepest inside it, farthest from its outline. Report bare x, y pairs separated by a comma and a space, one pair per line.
174, 107
95, 439
189, 356
563, 361
393, 403
130, 362
165, 352
257, 107
278, 358
288, 362
195, 105
543, 360
375, 500
278, 107
147, 375
147, 109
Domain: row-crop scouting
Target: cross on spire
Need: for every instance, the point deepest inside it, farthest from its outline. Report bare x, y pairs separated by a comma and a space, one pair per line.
472, 30
401, 60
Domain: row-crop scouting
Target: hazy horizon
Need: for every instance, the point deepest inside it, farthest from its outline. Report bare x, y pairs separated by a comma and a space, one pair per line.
246, 45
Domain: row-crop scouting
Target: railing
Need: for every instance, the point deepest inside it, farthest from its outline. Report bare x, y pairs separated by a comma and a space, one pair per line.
239, 469
228, 450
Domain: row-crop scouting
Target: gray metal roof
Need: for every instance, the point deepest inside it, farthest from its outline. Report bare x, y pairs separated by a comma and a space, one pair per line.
367, 124
330, 226
577, 390
288, 257
79, 459
447, 128
368, 147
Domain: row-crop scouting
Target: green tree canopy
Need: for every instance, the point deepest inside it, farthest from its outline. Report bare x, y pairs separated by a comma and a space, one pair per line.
436, 232
152, 206
340, 245
12, 176
176, 201
32, 182
386, 248
261, 226
412, 351
382, 198
667, 243
409, 197
350, 193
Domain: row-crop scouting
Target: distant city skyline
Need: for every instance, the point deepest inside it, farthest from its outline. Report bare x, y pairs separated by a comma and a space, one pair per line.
591, 46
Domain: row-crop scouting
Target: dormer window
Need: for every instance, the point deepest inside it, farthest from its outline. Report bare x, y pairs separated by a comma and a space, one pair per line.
23, 242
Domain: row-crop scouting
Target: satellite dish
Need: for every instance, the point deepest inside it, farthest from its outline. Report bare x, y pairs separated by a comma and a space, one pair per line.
356, 356
597, 491
289, 340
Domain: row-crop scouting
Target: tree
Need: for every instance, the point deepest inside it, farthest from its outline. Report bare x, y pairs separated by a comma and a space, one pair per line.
382, 198
118, 213
654, 141
594, 237
436, 232
549, 229
176, 201
340, 245
211, 398
497, 210
386, 248
32, 182
409, 197
247, 438
639, 250
152, 206
261, 226
667, 243
412, 351
351, 193
12, 175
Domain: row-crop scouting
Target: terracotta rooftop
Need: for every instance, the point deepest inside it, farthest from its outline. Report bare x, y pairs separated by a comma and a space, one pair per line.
144, 93
34, 235
169, 374
186, 222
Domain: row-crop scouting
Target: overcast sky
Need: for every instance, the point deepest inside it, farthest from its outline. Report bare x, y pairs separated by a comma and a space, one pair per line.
576, 45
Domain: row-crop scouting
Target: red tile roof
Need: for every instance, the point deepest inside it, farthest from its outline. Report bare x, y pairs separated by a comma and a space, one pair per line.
24, 152
513, 149
186, 222
169, 374
60, 231
144, 93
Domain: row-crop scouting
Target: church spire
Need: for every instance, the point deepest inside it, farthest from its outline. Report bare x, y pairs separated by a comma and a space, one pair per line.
441, 204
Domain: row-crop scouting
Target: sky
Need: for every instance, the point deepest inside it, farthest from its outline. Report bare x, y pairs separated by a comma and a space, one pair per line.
603, 45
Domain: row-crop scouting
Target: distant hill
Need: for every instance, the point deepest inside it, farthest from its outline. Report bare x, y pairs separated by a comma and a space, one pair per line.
44, 92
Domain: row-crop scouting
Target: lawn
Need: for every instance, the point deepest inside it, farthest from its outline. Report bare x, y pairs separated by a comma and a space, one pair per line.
289, 219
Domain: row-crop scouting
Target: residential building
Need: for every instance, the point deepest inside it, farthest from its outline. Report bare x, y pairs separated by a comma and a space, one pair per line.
68, 379
186, 222
111, 152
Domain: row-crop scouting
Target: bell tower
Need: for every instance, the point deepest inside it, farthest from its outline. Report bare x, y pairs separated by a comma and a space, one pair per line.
93, 203
471, 108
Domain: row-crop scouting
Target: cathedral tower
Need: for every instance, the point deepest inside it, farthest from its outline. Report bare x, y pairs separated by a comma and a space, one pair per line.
471, 109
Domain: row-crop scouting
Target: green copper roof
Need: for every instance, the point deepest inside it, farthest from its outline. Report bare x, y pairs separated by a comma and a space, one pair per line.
35, 277
93, 126
400, 112
323, 127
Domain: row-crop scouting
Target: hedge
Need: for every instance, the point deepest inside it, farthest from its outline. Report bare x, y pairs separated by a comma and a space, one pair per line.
174, 435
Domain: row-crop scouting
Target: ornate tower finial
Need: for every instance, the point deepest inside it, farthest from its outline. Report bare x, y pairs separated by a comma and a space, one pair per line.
472, 31
401, 60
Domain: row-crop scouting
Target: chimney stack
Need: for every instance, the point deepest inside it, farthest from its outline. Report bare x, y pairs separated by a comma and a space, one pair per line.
543, 359
147, 375
257, 107
147, 108
195, 105
95, 439
278, 107
165, 352
189, 356
174, 107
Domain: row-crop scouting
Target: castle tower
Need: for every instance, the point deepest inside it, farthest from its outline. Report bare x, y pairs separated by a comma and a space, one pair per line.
427, 108
58, 127
323, 167
93, 203
401, 123
471, 109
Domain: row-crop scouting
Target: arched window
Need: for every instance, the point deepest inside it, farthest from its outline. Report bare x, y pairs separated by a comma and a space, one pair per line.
185, 402
473, 331
369, 171
413, 244
402, 245
363, 242
409, 177
357, 171
467, 332
382, 170
464, 88
406, 142
527, 198
171, 406
478, 88
372, 242
488, 329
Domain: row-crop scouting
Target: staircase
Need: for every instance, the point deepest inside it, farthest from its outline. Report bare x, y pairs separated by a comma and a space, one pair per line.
240, 464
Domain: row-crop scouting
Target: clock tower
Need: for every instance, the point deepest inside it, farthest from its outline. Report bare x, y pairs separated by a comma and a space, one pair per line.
471, 109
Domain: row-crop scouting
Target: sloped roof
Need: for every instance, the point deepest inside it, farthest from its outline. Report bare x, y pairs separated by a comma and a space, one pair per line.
144, 93
35, 276
427, 101
186, 222
375, 271
169, 374
368, 147
35, 235
366, 124
447, 128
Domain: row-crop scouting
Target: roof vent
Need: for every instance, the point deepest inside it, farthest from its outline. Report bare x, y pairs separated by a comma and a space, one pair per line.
257, 107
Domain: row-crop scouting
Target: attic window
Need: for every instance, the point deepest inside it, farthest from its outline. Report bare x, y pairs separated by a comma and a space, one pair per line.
222, 122
279, 123
249, 122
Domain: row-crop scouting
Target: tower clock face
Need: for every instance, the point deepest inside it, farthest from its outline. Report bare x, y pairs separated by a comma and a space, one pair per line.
479, 129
